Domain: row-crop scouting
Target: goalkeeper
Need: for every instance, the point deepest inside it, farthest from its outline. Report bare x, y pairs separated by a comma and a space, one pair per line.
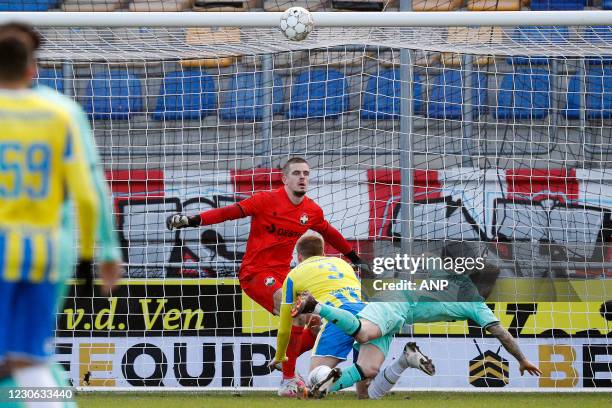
374, 326
278, 219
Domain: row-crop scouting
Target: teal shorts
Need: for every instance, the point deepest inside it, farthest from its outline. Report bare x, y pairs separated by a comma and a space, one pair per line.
389, 317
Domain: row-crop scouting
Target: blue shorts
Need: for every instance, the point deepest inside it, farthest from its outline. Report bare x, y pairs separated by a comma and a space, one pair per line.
333, 342
27, 318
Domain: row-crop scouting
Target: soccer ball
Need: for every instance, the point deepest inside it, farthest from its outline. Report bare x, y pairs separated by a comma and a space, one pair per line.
296, 23
317, 375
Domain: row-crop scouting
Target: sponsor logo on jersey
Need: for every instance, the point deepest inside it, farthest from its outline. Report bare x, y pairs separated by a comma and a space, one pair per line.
269, 281
282, 232
303, 219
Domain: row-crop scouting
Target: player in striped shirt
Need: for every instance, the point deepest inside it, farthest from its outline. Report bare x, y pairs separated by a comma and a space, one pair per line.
42, 164
330, 280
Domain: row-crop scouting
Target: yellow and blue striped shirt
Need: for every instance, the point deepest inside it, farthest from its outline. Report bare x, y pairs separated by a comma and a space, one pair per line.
41, 162
328, 279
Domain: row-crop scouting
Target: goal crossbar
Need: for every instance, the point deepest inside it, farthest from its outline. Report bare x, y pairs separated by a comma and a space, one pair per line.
322, 19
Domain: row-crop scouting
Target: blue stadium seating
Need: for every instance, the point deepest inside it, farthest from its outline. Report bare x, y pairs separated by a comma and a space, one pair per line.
381, 99
27, 5
245, 98
557, 4
598, 94
535, 36
187, 94
318, 92
50, 77
606, 4
598, 35
446, 98
524, 94
114, 94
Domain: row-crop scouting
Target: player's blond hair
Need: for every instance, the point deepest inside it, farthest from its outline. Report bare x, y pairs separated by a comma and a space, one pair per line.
291, 161
310, 245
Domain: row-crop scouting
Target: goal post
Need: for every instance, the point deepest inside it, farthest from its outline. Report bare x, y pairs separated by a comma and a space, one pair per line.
487, 137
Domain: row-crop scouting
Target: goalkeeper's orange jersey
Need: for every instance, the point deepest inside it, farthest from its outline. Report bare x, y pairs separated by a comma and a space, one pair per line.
328, 279
41, 161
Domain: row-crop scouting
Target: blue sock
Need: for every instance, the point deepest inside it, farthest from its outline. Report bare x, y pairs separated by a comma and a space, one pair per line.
349, 377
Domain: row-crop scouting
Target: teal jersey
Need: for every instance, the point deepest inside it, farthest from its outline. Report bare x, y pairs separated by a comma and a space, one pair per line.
106, 235
429, 312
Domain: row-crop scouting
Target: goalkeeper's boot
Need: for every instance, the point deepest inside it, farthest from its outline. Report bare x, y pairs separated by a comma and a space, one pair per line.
305, 304
416, 359
291, 387
320, 389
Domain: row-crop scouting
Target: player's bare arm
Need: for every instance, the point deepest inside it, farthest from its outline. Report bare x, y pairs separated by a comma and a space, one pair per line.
511, 345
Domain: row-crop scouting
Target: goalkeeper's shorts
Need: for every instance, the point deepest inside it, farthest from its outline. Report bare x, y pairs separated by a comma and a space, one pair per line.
333, 342
27, 318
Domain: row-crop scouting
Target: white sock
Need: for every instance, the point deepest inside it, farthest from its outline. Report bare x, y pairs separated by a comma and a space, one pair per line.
386, 379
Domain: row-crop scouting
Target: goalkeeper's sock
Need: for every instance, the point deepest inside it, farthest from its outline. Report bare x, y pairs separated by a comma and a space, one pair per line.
293, 352
343, 319
386, 379
350, 376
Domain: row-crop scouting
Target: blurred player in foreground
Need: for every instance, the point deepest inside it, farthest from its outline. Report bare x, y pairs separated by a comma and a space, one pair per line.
330, 280
42, 164
374, 326
278, 219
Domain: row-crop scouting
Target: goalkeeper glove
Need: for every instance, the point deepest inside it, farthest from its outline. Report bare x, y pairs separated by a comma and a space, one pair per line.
85, 273
362, 266
178, 221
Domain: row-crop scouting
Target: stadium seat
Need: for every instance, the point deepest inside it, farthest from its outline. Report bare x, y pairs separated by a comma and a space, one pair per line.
524, 94
114, 94
494, 5
27, 5
159, 5
318, 92
224, 5
598, 35
312, 5
91, 5
470, 35
446, 98
436, 5
538, 37
598, 83
358, 5
606, 4
245, 98
381, 99
557, 4
188, 94
51, 77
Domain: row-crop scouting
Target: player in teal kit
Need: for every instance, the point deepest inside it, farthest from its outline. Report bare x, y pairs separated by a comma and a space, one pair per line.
374, 326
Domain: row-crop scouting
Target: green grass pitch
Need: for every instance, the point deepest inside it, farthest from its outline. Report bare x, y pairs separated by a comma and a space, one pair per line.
399, 399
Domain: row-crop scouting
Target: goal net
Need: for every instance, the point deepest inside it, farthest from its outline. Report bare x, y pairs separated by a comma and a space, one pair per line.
490, 142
